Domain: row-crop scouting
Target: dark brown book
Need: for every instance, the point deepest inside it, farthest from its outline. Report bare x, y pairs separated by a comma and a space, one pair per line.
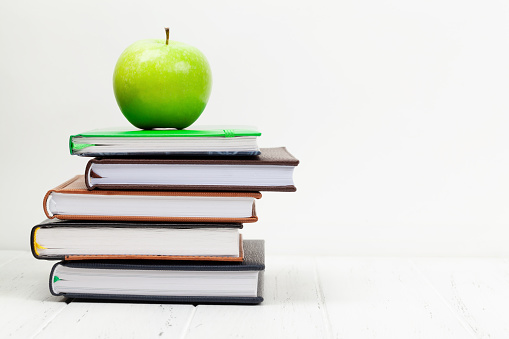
73, 201
272, 170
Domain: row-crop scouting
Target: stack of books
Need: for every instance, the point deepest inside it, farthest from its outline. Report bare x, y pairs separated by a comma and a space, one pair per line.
157, 216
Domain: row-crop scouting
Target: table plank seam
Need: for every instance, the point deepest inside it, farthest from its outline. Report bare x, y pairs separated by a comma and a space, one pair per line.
188, 323
321, 301
49, 321
458, 316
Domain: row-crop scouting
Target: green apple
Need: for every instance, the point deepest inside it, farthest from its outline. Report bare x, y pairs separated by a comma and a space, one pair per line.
162, 84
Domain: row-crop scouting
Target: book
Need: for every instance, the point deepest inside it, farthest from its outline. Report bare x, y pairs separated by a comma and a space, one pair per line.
154, 280
84, 240
72, 200
272, 170
208, 140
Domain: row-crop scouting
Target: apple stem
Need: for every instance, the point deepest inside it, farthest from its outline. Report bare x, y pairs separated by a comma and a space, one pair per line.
167, 29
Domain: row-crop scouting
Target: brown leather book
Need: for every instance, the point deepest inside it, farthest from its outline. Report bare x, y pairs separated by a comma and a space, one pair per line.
272, 170
73, 201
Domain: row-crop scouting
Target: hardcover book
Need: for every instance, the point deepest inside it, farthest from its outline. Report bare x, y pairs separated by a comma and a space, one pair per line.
73, 201
272, 170
84, 240
208, 140
165, 281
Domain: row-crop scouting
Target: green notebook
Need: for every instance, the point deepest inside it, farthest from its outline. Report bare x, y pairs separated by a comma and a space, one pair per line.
208, 140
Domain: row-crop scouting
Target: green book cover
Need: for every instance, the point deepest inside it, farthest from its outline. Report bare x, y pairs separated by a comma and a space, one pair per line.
91, 139
206, 131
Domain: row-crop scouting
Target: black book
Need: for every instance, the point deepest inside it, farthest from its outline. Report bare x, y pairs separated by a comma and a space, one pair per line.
165, 281
85, 240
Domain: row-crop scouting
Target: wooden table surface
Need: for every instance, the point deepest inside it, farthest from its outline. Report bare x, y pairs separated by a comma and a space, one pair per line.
305, 297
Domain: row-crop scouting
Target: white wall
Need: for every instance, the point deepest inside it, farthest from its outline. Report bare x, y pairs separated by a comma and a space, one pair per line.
398, 111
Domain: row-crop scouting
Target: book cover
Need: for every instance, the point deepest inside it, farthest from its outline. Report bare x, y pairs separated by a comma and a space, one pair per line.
72, 200
141, 280
208, 140
87, 240
272, 170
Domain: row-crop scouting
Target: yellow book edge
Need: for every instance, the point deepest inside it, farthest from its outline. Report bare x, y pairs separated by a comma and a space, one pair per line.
36, 244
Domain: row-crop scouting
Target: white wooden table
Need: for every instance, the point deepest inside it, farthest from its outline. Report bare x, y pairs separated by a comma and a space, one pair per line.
322, 297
